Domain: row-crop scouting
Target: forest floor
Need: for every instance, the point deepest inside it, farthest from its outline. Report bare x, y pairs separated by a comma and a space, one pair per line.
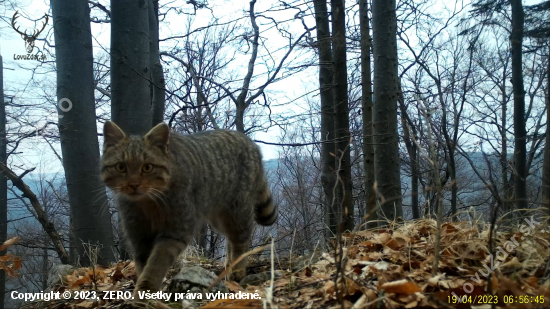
383, 268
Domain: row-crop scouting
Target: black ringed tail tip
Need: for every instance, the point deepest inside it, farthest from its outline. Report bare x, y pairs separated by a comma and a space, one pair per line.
266, 212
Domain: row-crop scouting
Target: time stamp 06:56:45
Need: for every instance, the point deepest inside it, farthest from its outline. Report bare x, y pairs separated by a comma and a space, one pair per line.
492, 299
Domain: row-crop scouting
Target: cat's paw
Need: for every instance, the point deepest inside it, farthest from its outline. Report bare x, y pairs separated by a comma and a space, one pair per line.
237, 275
143, 287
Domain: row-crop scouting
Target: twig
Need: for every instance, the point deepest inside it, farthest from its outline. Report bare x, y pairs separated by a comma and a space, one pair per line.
291, 247
240, 258
41, 215
435, 166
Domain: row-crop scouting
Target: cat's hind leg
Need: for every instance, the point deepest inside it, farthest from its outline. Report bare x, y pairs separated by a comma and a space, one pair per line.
235, 250
237, 225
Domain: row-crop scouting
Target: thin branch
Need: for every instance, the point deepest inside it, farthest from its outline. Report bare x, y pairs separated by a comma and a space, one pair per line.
196, 81
41, 215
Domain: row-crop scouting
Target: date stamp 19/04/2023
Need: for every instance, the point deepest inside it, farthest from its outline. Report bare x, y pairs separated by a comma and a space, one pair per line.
494, 299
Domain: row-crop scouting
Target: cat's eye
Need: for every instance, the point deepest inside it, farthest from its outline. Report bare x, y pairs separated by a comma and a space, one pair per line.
147, 168
121, 168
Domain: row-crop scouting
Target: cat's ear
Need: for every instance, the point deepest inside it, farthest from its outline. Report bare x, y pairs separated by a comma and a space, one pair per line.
159, 136
112, 134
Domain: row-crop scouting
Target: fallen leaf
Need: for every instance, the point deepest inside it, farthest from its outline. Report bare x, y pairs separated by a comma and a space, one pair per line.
233, 286
434, 280
85, 304
307, 272
234, 303
9, 242
80, 281
401, 286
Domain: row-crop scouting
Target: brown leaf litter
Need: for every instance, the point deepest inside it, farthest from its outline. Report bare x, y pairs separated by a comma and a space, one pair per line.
384, 268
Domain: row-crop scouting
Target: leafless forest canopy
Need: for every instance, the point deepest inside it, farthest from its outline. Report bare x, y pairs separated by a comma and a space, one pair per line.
367, 112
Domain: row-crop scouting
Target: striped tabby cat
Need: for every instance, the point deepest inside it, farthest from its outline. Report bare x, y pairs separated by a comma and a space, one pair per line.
167, 185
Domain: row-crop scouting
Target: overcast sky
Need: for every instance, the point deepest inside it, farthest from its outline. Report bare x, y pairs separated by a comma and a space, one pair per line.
17, 80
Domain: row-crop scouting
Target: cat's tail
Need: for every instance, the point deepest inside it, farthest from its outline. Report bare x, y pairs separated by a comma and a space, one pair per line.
265, 210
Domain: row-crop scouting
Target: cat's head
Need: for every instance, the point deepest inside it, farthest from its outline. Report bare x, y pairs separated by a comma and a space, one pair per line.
136, 167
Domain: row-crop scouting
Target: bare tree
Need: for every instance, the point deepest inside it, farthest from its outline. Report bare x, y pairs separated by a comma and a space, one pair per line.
409, 136
196, 98
39, 212
451, 97
246, 97
3, 180
546, 165
328, 163
157, 74
131, 66
78, 130
386, 154
520, 151
366, 102
344, 199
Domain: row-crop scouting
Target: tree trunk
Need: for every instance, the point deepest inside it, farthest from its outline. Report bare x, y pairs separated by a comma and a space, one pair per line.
327, 109
241, 102
386, 154
131, 70
213, 243
45, 265
73, 254
546, 164
413, 154
415, 178
366, 102
344, 198
78, 129
157, 75
202, 237
520, 151
3, 181
504, 147
454, 187
131, 66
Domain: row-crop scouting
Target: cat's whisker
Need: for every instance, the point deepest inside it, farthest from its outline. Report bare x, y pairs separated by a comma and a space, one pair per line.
115, 194
160, 193
104, 206
152, 195
98, 196
98, 190
161, 196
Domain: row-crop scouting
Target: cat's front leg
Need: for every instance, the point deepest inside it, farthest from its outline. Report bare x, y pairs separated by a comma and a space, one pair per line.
140, 261
164, 253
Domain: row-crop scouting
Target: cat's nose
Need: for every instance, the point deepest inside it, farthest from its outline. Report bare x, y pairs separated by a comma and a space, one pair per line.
133, 186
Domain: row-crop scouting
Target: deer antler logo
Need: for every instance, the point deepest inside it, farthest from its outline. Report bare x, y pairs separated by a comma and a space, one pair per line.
29, 39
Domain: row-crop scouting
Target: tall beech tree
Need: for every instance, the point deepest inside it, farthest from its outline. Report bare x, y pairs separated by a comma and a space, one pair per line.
546, 164
328, 163
343, 205
131, 65
157, 75
520, 142
78, 130
133, 100
3, 181
386, 92
531, 22
366, 103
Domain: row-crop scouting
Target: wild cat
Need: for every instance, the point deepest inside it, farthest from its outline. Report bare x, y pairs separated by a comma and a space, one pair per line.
167, 185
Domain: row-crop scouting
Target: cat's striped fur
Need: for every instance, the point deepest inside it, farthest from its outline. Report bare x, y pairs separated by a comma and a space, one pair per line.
168, 184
